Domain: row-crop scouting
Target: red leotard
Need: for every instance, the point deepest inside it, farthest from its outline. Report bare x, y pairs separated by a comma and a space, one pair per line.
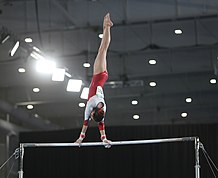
97, 80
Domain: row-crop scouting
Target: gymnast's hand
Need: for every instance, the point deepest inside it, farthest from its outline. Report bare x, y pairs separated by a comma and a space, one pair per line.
107, 143
78, 141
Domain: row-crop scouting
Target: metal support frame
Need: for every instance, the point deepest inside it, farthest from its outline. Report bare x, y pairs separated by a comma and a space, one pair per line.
134, 142
197, 158
20, 172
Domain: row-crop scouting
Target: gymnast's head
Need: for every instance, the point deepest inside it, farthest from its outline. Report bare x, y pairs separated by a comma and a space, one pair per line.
98, 113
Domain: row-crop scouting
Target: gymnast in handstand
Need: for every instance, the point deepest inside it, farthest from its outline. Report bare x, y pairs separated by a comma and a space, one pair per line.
96, 106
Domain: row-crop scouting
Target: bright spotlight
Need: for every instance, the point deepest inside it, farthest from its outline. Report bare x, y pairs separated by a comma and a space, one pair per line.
58, 74
45, 66
74, 85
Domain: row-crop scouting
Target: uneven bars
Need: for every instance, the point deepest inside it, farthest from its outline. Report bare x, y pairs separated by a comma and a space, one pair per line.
134, 142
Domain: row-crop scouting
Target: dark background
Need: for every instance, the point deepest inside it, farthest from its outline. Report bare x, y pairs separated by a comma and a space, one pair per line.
152, 160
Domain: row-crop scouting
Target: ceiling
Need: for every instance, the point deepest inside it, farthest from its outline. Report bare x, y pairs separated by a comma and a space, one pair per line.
67, 31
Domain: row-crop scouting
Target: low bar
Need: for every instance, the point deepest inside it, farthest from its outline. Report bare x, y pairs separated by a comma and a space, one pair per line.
134, 142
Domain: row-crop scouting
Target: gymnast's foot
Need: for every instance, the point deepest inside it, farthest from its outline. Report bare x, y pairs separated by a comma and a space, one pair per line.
107, 21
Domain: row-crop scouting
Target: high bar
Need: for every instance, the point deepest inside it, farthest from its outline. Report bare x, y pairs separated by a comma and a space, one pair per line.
133, 142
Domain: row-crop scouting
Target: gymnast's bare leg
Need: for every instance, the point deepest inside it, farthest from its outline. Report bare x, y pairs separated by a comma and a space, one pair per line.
100, 65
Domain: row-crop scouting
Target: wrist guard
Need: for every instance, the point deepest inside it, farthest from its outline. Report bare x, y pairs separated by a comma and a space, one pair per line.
103, 138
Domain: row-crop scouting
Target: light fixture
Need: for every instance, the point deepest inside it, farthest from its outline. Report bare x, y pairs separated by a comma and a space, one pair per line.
21, 70
134, 102
188, 100
36, 90
82, 105
45, 66
213, 81
36, 49
152, 84
184, 114
136, 116
58, 74
29, 106
74, 85
28, 40
152, 61
85, 93
68, 75
14, 49
178, 31
100, 35
86, 65
37, 56
5, 38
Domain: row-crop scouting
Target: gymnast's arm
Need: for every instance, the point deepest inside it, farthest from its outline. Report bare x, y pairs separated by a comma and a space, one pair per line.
101, 128
83, 132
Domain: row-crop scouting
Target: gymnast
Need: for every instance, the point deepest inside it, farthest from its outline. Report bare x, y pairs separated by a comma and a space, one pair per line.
96, 106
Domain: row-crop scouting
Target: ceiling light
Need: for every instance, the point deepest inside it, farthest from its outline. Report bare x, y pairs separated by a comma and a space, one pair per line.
58, 74
74, 85
135, 116
152, 61
45, 66
213, 81
184, 114
82, 105
178, 31
5, 39
85, 93
28, 40
36, 49
37, 56
36, 90
100, 35
134, 102
86, 64
14, 49
68, 75
188, 100
21, 70
152, 84
29, 106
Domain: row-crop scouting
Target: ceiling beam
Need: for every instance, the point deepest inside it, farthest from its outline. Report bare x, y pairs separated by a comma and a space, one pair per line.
7, 127
25, 117
90, 27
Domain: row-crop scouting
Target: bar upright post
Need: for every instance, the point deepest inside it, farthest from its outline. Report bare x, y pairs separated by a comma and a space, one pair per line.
197, 158
20, 172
